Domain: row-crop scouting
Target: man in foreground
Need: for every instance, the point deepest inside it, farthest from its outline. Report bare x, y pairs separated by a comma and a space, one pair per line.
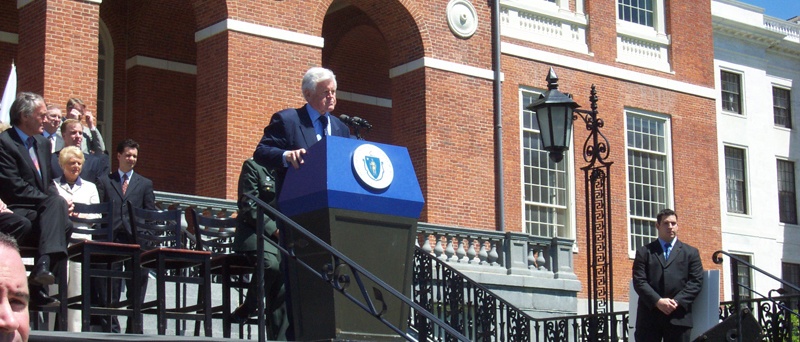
14, 295
668, 276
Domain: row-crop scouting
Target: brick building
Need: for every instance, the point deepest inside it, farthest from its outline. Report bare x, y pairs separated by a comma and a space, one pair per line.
196, 81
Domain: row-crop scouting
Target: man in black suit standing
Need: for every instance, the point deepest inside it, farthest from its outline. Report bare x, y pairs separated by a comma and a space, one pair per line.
95, 165
120, 188
26, 186
667, 276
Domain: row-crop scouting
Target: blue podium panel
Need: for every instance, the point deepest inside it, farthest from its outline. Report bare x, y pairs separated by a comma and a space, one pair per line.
352, 174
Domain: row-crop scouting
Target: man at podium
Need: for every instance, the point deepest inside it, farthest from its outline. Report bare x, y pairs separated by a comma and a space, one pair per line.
291, 131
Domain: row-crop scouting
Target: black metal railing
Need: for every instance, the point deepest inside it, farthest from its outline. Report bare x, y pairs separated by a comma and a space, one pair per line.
481, 315
343, 274
773, 314
778, 316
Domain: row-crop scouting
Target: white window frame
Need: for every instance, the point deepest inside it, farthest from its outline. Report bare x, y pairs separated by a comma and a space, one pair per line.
747, 183
670, 200
742, 94
791, 121
752, 274
796, 187
569, 167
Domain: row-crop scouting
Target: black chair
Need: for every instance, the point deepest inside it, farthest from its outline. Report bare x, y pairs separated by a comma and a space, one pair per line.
97, 256
216, 234
161, 238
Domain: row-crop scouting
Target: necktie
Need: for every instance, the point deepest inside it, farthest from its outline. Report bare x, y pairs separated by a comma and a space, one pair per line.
124, 183
32, 152
667, 247
324, 123
52, 138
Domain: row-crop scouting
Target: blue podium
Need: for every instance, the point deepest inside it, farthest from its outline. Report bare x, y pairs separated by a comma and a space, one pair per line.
363, 199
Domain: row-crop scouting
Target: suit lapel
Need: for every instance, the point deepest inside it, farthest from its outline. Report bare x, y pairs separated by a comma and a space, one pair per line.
132, 184
23, 151
675, 253
306, 127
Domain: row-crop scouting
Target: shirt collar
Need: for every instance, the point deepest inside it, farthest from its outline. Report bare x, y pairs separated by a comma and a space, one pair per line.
662, 242
121, 174
22, 135
313, 114
78, 181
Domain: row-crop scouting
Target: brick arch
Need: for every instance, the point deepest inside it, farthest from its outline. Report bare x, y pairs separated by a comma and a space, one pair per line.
363, 42
405, 32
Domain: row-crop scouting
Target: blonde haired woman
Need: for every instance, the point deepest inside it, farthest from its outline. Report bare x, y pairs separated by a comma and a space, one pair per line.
73, 188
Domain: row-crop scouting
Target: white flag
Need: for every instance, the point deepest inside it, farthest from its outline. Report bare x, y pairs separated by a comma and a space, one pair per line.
9, 95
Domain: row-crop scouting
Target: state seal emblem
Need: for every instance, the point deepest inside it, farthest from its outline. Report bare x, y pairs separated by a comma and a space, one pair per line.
373, 167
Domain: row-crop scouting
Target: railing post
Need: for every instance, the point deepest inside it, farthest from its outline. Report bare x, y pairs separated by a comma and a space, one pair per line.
561, 256
516, 253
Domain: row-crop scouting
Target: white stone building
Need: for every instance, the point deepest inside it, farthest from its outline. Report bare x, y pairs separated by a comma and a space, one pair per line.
757, 72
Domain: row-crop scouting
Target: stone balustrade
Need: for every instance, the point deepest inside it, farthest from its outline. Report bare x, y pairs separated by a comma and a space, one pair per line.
498, 252
790, 29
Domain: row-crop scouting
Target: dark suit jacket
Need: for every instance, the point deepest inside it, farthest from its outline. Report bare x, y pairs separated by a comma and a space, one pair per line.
139, 193
290, 129
20, 185
679, 278
95, 166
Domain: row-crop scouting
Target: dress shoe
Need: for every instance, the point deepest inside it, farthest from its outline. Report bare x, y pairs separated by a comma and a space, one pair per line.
241, 314
40, 299
41, 274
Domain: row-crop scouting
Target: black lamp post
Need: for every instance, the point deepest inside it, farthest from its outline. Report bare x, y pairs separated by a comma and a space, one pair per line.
555, 112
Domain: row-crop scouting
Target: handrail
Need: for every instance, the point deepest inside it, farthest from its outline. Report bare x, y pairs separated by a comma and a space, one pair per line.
339, 281
482, 315
771, 314
735, 285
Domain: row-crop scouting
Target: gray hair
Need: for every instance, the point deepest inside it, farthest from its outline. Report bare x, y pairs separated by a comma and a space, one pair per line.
9, 241
313, 77
24, 105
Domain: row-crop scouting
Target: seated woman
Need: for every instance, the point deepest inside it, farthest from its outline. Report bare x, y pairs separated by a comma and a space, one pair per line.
73, 188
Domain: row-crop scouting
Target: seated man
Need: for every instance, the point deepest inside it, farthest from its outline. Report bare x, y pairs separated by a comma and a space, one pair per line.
26, 187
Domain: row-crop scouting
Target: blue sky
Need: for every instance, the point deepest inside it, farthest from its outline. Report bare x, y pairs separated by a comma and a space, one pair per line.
783, 9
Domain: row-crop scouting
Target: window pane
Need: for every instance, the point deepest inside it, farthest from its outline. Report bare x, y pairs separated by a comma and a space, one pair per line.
731, 92
638, 12
781, 107
735, 180
647, 175
787, 198
743, 277
544, 182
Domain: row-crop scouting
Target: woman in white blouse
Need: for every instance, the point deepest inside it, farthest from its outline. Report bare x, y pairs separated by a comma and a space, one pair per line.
77, 190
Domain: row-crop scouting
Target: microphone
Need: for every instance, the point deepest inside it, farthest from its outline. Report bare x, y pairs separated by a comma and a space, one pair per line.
346, 119
361, 122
